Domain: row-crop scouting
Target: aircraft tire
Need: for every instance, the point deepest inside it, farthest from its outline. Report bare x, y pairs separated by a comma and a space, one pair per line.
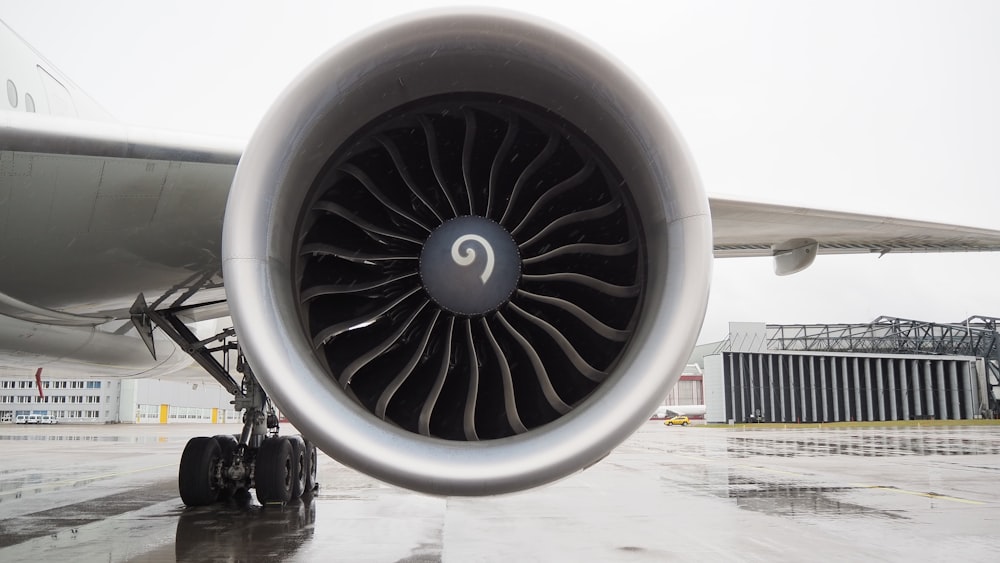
195, 478
299, 465
274, 471
311, 462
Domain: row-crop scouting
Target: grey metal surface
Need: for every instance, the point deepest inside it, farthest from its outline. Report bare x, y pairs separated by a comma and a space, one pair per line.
84, 236
108, 493
413, 59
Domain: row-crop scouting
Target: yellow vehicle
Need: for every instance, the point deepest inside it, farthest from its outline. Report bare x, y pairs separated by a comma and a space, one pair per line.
682, 420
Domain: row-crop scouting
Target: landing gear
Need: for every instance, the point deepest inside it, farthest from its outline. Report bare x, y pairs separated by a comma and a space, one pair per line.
279, 468
282, 469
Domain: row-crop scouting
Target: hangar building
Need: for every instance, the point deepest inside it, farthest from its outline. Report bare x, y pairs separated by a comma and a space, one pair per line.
890, 369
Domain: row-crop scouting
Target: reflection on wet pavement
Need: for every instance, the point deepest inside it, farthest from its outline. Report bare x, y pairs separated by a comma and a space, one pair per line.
787, 498
70, 517
16, 484
109, 494
792, 500
242, 530
870, 443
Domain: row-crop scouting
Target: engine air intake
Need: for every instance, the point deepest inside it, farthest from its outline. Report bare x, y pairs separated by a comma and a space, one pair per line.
469, 269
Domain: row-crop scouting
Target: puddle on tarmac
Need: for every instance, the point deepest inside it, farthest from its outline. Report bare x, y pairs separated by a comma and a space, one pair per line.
788, 499
17, 481
796, 499
241, 530
864, 445
52, 522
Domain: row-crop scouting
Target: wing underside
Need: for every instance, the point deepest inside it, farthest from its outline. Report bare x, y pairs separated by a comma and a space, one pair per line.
744, 228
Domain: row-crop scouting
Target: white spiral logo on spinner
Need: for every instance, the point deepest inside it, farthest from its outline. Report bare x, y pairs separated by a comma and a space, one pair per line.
469, 256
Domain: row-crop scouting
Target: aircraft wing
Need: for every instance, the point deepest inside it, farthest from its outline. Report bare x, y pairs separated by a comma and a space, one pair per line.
92, 214
124, 210
795, 235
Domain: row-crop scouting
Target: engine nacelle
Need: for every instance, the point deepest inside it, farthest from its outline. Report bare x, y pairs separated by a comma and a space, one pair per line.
467, 253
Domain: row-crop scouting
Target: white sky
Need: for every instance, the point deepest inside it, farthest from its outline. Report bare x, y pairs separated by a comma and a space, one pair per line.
882, 107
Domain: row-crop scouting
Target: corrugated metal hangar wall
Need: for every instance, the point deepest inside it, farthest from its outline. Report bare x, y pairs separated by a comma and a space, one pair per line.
750, 382
809, 387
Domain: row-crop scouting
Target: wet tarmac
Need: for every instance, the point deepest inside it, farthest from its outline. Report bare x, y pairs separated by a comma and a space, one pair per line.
108, 493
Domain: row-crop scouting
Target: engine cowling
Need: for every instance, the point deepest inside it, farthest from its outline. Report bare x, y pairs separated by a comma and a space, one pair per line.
467, 253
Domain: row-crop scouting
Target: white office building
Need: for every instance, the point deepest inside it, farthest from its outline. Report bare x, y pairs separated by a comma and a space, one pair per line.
94, 400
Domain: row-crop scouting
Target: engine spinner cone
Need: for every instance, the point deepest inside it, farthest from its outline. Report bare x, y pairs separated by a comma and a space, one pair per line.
470, 266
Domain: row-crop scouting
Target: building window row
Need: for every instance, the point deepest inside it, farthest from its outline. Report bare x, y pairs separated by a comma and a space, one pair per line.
50, 399
30, 384
7, 416
190, 413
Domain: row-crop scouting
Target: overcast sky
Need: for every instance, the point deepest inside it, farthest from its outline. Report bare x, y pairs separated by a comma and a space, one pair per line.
889, 108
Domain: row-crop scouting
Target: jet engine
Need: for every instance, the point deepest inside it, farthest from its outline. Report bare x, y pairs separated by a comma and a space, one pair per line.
467, 253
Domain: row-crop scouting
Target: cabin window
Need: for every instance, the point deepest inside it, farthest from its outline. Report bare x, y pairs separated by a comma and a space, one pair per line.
11, 93
29, 103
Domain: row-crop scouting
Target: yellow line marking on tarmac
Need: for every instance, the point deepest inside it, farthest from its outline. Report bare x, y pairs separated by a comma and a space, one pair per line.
919, 494
67, 482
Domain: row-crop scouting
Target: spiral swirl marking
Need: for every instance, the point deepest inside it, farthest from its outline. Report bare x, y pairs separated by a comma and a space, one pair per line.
469, 256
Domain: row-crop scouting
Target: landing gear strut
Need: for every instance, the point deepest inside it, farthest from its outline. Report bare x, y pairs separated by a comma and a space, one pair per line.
279, 468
